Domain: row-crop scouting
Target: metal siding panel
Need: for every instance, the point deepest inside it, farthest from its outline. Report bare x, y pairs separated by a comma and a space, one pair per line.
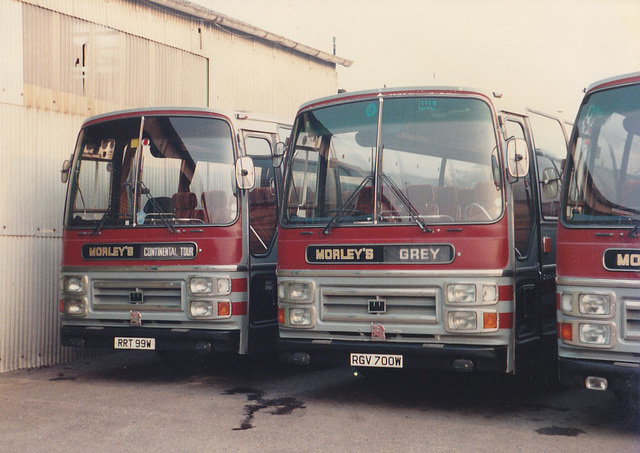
29, 325
33, 144
98, 68
245, 72
249, 74
10, 55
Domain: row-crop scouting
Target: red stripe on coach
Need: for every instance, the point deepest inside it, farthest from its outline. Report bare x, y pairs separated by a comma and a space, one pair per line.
239, 308
505, 292
239, 285
506, 321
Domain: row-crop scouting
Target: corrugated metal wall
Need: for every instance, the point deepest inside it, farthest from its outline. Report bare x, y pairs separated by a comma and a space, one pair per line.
276, 80
33, 144
245, 72
98, 68
70, 59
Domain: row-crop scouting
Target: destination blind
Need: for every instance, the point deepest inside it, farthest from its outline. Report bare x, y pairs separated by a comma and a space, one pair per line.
140, 251
380, 254
622, 260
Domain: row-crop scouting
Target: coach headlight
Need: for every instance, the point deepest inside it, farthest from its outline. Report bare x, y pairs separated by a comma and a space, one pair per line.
461, 293
201, 309
295, 292
219, 286
462, 320
300, 317
594, 304
74, 284
210, 309
595, 334
75, 307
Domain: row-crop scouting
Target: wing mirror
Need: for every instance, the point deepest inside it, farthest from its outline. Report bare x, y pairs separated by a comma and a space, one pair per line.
245, 173
517, 158
64, 172
278, 154
550, 183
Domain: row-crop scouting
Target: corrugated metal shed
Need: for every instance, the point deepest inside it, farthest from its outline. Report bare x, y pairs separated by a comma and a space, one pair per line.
70, 59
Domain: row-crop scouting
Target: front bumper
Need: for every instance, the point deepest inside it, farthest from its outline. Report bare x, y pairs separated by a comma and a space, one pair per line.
166, 339
622, 377
439, 357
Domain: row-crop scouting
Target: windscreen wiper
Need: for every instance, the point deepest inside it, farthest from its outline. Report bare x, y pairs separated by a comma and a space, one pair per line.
145, 190
413, 212
343, 208
109, 210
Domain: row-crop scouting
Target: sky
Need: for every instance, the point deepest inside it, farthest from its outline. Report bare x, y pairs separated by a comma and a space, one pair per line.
540, 54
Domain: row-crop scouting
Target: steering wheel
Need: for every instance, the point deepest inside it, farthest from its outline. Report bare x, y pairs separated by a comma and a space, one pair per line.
481, 208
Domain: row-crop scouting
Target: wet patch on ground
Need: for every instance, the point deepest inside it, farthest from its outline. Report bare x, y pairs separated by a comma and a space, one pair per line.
62, 377
257, 402
560, 431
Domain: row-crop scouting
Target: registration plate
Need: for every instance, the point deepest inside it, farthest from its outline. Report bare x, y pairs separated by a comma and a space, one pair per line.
376, 360
134, 343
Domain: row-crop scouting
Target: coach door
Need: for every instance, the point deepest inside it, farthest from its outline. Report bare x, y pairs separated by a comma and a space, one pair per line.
550, 140
263, 307
528, 276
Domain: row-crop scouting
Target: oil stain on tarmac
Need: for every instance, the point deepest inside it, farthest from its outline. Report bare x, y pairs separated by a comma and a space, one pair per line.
257, 402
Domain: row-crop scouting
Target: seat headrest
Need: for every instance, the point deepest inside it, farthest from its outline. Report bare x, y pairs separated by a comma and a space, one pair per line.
185, 200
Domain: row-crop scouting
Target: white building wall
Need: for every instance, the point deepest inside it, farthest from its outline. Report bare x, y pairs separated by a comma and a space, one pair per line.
136, 54
275, 80
33, 143
11, 55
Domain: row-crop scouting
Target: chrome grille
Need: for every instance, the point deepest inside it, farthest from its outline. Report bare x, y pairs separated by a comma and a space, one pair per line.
632, 320
116, 295
405, 306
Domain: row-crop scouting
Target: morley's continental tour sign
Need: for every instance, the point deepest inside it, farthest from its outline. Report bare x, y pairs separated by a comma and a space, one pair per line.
380, 254
140, 251
622, 259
